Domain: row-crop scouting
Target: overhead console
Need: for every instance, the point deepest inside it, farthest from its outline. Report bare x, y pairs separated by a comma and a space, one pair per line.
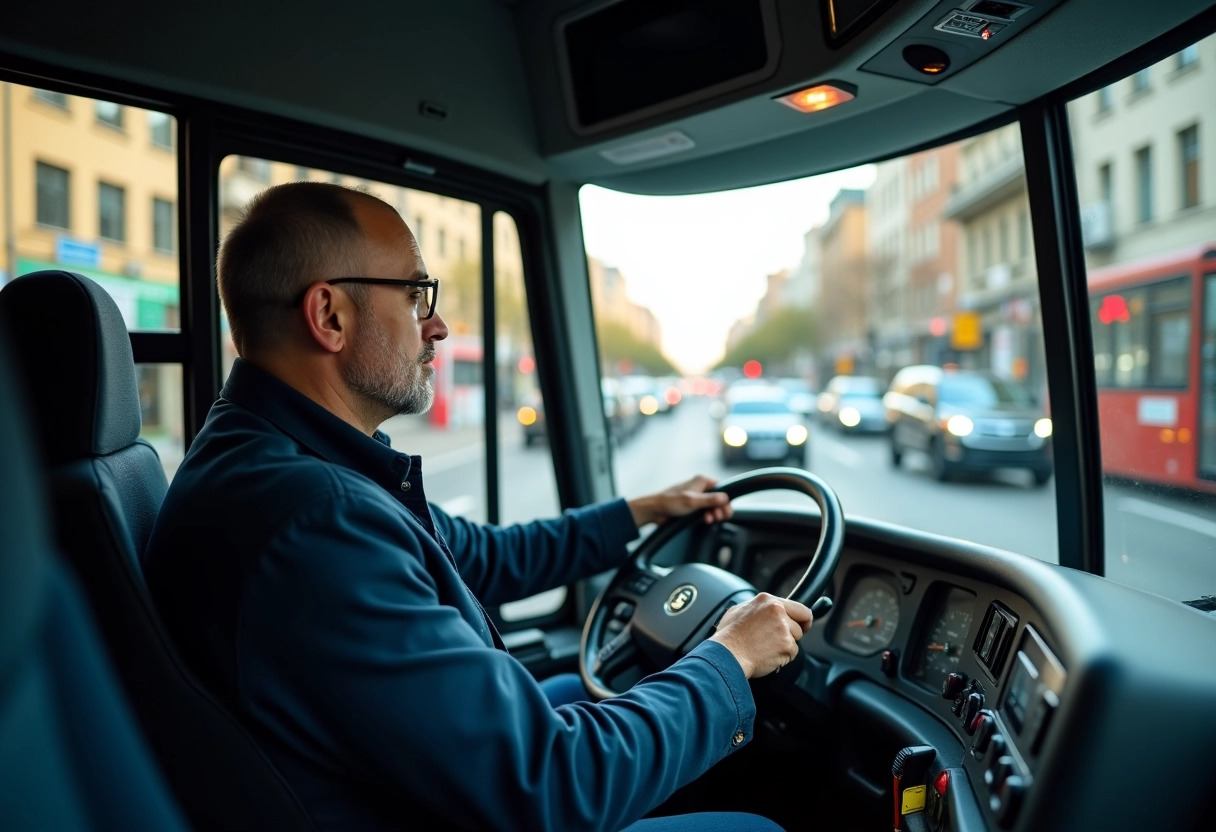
952, 36
623, 61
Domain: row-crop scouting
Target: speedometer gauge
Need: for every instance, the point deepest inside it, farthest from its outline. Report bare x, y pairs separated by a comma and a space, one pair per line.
942, 646
870, 616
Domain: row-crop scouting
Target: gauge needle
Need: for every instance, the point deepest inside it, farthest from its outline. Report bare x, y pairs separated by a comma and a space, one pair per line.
868, 621
943, 647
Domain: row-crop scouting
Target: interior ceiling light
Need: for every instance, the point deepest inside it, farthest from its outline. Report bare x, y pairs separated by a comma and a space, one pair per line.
927, 59
819, 97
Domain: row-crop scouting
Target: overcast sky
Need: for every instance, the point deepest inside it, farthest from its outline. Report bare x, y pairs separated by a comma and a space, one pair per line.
699, 262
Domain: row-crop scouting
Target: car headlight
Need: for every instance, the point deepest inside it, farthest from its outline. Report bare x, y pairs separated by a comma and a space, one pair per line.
735, 436
959, 425
796, 435
850, 417
1042, 428
526, 416
649, 405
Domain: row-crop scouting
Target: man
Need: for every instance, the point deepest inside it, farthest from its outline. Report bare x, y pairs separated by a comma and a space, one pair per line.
306, 578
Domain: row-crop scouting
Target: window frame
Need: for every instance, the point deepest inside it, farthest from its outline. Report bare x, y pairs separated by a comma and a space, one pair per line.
120, 191
39, 217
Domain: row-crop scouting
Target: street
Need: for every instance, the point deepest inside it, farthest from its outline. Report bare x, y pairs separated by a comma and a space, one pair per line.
1165, 544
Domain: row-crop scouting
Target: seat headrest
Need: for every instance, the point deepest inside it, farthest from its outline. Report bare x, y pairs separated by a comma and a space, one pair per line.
71, 344
24, 537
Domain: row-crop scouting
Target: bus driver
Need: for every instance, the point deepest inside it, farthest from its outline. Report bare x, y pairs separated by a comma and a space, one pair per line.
307, 580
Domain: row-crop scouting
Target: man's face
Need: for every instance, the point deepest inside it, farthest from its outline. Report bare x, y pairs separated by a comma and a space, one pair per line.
390, 362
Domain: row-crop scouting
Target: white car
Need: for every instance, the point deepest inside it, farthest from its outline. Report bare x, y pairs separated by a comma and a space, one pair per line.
758, 425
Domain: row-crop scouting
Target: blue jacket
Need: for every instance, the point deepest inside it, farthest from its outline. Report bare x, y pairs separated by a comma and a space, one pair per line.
307, 581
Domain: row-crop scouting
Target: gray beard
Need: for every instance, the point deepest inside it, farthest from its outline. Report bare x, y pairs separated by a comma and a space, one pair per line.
389, 379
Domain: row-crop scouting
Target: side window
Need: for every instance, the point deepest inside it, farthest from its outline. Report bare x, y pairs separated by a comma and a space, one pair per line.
82, 197
1146, 186
451, 436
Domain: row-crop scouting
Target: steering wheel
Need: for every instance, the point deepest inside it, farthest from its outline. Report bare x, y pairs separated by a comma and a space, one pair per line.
648, 612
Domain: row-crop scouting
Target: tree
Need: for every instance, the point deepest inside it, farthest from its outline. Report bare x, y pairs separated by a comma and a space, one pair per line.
775, 341
618, 343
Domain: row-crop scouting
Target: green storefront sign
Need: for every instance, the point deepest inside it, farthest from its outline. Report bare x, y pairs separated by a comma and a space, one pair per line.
144, 304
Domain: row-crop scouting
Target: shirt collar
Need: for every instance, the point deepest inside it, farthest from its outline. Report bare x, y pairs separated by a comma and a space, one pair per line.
313, 426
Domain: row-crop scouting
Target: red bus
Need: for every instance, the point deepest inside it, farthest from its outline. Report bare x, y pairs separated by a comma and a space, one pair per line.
1154, 328
459, 383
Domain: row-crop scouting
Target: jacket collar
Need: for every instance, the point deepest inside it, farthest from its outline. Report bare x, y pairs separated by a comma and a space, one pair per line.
314, 427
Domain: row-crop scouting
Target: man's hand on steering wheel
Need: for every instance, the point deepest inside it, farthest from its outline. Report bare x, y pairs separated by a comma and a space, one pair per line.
681, 499
763, 633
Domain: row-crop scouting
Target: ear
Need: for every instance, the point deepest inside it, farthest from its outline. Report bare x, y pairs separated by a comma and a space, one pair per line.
327, 316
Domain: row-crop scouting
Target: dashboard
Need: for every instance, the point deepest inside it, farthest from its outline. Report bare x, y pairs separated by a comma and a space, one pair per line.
1030, 690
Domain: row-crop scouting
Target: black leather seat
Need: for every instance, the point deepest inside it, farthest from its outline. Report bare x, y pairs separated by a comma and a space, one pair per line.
106, 485
71, 757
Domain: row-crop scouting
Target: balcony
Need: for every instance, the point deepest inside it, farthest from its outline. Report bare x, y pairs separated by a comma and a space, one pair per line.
995, 185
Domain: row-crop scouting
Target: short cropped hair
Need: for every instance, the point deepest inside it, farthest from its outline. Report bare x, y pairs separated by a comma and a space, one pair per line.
288, 237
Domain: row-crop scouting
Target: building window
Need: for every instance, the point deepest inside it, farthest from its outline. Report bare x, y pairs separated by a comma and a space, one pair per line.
1140, 81
418, 231
52, 196
109, 113
1188, 56
1106, 182
1188, 156
443, 243
301, 173
161, 127
162, 224
259, 169
1144, 184
1106, 100
112, 211
1023, 235
55, 99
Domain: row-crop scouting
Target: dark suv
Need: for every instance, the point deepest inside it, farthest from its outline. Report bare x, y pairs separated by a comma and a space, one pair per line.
967, 420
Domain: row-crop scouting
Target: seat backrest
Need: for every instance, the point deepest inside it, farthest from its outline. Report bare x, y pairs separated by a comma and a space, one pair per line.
71, 757
106, 485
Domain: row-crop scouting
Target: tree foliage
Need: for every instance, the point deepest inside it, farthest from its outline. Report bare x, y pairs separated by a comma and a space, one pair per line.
618, 343
775, 341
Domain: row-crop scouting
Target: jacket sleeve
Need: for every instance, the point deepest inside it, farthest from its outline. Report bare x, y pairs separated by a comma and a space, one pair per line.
347, 657
506, 563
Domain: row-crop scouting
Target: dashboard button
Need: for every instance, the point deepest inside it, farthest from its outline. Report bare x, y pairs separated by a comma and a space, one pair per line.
890, 662
953, 685
1008, 799
982, 727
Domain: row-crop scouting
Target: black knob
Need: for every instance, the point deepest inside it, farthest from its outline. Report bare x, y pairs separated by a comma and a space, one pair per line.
971, 708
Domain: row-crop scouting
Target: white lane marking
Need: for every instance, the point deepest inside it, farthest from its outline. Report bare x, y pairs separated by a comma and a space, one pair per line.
458, 506
1167, 515
838, 453
451, 459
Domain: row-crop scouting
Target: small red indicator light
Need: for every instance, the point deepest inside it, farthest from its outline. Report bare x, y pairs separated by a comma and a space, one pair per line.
987, 33
1114, 309
942, 782
752, 369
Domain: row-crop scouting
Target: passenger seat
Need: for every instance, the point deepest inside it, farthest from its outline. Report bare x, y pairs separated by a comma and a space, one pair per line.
106, 487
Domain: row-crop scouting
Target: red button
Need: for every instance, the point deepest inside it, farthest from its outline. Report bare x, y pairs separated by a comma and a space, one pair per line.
942, 782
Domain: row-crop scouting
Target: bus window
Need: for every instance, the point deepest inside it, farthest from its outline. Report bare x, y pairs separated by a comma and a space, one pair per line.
93, 190
451, 436
914, 261
1148, 226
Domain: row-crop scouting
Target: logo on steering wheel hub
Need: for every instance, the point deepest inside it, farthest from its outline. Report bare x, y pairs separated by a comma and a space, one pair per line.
680, 599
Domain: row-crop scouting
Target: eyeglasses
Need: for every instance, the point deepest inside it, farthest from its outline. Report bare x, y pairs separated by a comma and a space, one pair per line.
423, 296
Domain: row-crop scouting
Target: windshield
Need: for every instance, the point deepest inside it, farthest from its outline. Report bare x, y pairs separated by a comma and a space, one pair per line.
928, 260
978, 391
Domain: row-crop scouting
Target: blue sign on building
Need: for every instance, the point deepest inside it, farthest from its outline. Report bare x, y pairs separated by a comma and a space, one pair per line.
69, 252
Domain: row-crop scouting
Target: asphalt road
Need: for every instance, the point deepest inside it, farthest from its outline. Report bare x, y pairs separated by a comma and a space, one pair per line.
1163, 543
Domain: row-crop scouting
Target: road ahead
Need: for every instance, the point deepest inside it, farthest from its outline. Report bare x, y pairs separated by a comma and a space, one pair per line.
1163, 544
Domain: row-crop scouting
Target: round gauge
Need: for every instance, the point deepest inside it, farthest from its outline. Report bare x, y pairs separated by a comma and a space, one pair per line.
787, 577
943, 645
869, 618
